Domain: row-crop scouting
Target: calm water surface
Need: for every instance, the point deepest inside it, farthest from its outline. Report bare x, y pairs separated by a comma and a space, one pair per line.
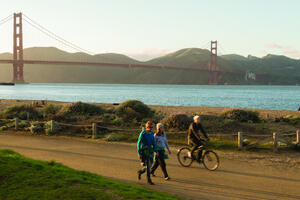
264, 97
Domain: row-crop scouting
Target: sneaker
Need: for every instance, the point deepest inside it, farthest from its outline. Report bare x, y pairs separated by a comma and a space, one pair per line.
139, 175
153, 174
150, 182
167, 178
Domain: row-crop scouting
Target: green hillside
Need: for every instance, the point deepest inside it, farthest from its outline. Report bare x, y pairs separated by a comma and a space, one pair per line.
184, 58
234, 57
271, 69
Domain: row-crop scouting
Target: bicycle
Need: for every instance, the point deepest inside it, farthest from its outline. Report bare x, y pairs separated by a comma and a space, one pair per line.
209, 159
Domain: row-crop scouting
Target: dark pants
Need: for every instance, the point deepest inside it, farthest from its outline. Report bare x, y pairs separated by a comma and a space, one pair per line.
196, 144
147, 162
160, 160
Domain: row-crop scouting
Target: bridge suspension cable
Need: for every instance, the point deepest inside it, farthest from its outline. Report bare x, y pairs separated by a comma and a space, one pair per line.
223, 51
6, 19
53, 35
206, 45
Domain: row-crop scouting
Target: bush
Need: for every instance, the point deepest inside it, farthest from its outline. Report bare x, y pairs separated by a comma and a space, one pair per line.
36, 127
24, 112
297, 146
82, 108
3, 128
10, 125
56, 128
50, 110
108, 117
79, 108
113, 137
228, 121
291, 119
177, 121
23, 124
242, 115
118, 122
133, 109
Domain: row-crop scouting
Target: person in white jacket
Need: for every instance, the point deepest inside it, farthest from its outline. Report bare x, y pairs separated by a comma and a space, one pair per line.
161, 142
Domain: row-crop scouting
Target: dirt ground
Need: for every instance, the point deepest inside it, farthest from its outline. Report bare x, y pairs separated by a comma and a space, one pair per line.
240, 176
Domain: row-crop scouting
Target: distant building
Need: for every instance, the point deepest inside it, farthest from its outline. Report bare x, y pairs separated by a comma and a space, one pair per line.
250, 76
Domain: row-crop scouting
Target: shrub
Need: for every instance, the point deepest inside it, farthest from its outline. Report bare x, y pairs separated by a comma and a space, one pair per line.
79, 108
113, 137
24, 112
36, 127
51, 110
246, 142
295, 121
133, 109
108, 117
242, 115
11, 125
56, 128
23, 124
228, 121
82, 108
118, 121
291, 119
177, 121
3, 128
297, 146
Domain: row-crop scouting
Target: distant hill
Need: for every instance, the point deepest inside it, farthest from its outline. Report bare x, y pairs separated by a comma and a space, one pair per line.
271, 69
234, 57
191, 57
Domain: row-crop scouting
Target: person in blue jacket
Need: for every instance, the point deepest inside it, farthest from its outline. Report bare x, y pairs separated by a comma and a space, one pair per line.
146, 147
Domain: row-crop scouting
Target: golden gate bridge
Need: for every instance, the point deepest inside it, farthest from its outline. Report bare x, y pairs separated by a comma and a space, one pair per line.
18, 62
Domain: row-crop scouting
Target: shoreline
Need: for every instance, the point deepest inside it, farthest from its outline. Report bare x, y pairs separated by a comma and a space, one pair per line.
246, 97
202, 110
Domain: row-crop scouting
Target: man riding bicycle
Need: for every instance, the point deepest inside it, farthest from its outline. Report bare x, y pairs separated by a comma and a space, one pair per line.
194, 137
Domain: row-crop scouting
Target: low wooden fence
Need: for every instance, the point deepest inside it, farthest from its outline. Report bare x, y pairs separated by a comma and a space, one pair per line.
275, 139
94, 126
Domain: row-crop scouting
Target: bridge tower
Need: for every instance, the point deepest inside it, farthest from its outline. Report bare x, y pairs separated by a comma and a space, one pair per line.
18, 49
213, 69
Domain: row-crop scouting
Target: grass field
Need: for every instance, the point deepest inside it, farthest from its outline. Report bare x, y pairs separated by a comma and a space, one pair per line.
23, 178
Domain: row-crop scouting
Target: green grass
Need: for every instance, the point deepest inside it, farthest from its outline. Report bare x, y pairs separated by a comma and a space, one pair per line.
214, 143
23, 178
222, 144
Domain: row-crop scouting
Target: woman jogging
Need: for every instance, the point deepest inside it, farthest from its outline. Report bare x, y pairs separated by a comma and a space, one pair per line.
161, 142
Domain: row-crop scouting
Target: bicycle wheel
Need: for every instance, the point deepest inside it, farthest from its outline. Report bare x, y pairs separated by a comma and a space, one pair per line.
211, 160
184, 157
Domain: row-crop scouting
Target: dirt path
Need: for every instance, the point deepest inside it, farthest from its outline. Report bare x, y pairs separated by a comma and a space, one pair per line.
234, 180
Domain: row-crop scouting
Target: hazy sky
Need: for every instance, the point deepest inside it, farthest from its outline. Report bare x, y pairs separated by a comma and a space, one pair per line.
148, 28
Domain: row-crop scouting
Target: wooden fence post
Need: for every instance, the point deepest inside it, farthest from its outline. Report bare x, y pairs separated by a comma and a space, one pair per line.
275, 140
16, 123
94, 129
51, 126
297, 137
240, 140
